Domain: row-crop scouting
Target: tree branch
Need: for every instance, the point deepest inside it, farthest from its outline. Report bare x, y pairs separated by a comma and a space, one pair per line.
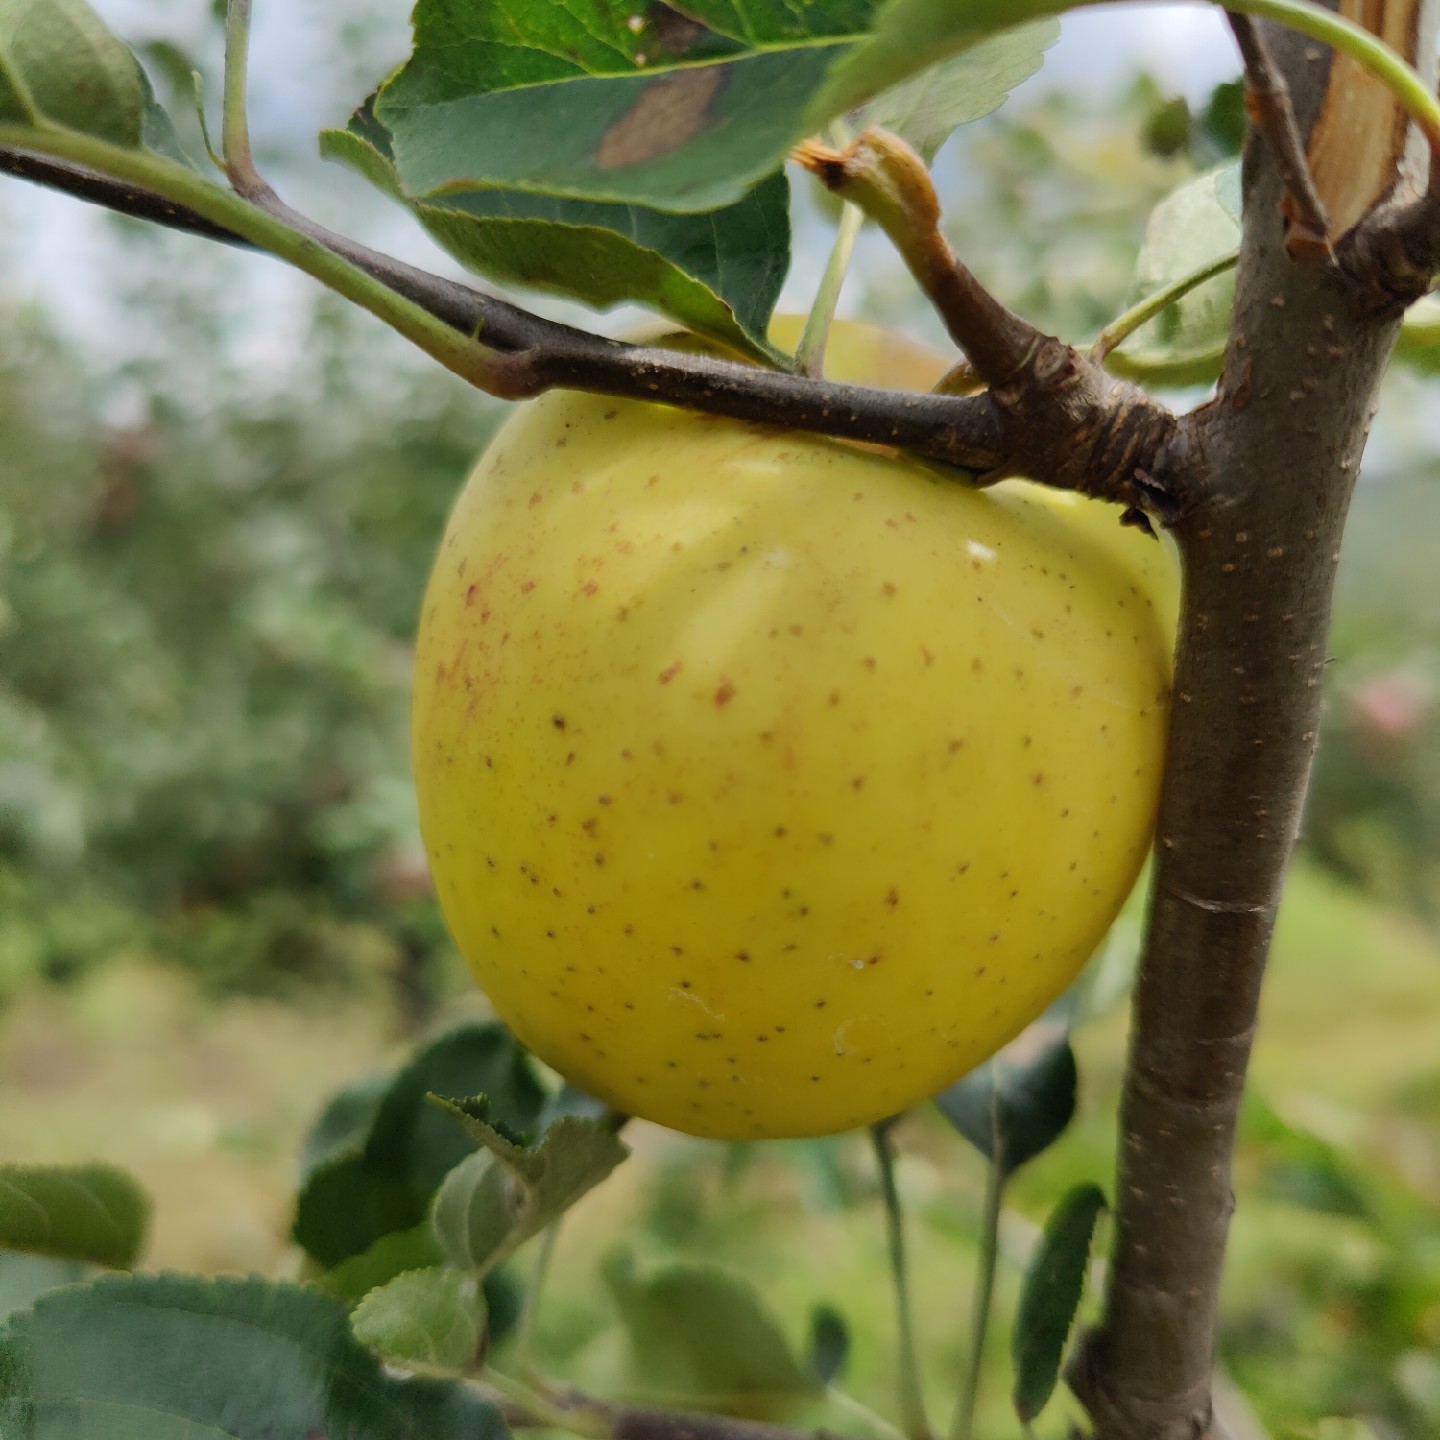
1393, 255
1279, 446
886, 179
1268, 104
958, 431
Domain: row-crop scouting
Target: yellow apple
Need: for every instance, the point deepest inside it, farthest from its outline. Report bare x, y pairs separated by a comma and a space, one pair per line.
771, 783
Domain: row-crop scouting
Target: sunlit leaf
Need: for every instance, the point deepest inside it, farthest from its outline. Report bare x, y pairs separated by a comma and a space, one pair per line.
434, 1317
391, 1255
166, 1357
1050, 1296
1019, 1103
497, 1198
93, 1213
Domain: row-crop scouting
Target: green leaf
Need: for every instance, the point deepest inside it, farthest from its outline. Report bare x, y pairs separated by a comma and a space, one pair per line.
1050, 1296
643, 106
911, 35
344, 1122
383, 1179
17, 106
177, 1358
925, 109
391, 1255
157, 130
689, 140
497, 1198
829, 1344
435, 1318
701, 1337
463, 49
1192, 226
72, 69
1225, 119
93, 1213
718, 273
1018, 1104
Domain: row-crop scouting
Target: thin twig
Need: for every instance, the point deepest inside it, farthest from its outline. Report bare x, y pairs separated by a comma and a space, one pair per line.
963, 1426
881, 174
959, 431
1268, 104
908, 1377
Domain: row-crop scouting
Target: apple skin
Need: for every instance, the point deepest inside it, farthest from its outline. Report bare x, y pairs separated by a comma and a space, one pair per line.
771, 783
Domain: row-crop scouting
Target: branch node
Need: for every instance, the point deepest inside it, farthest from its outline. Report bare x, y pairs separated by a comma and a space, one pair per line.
1267, 102
886, 179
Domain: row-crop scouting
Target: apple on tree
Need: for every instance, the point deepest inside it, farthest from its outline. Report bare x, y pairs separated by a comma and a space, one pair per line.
771, 783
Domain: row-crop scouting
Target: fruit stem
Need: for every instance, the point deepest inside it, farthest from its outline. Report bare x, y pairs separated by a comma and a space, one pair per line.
912, 1394
963, 1427
810, 353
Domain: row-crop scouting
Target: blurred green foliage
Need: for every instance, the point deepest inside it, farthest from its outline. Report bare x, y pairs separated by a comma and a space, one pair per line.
205, 617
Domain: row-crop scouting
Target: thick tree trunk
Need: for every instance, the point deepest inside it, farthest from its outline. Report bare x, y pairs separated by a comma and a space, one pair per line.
1279, 450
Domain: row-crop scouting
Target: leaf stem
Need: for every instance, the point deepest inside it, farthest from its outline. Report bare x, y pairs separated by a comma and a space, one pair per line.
912, 1394
234, 118
810, 354
1123, 326
963, 1427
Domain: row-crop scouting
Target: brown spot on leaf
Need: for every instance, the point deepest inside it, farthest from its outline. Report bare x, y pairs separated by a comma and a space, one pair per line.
666, 115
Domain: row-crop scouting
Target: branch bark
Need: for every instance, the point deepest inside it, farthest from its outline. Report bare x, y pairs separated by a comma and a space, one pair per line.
1277, 452
960, 431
